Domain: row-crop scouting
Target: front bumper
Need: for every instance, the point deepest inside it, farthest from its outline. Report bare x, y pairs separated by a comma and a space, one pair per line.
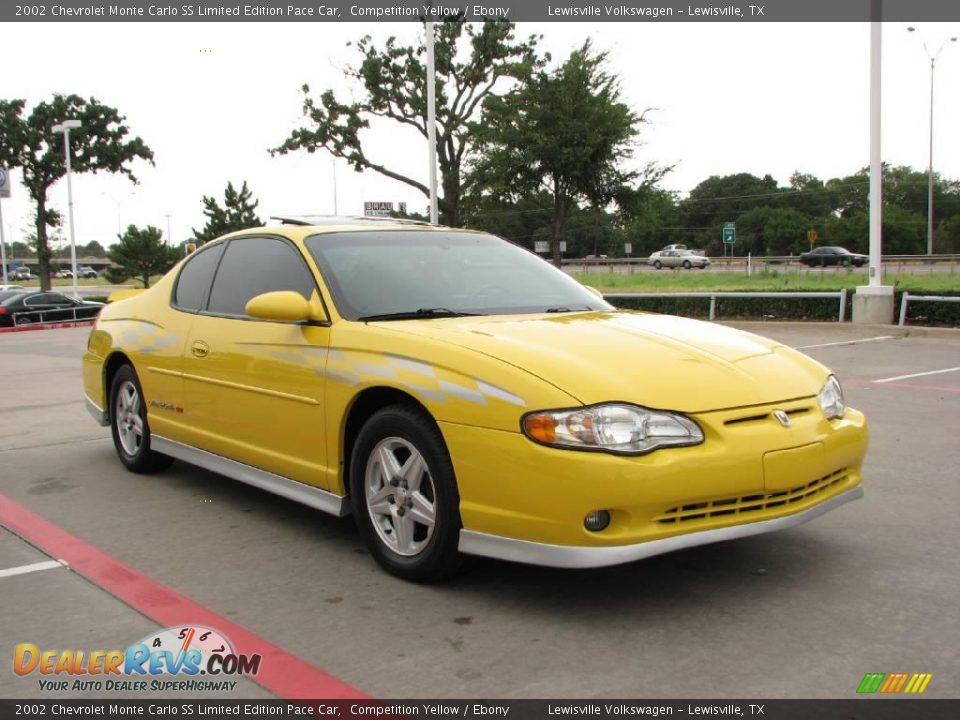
567, 556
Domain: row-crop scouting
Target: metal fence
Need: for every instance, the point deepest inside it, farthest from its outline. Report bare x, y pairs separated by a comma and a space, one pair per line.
840, 295
787, 264
907, 298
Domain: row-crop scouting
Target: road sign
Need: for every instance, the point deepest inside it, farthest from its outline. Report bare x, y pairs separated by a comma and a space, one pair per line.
729, 233
377, 209
541, 246
812, 236
563, 246
4, 183
628, 248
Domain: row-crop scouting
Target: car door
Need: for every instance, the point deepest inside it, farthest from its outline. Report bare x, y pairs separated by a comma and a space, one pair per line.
253, 389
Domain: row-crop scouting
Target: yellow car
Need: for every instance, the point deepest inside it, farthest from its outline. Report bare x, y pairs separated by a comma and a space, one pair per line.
457, 394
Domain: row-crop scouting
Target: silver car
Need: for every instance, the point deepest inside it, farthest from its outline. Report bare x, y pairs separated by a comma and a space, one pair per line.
687, 259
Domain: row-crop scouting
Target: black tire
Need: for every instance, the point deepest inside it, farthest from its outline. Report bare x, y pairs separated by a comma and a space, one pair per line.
845, 263
138, 459
657, 264
687, 265
438, 556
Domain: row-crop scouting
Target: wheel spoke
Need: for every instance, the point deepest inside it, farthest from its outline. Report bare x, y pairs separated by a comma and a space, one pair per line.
380, 508
137, 426
412, 470
422, 511
388, 464
377, 496
403, 532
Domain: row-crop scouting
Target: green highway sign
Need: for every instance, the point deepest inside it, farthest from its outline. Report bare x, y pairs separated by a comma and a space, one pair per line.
729, 233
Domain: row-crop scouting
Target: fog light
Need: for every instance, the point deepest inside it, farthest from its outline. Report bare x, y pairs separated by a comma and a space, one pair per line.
597, 520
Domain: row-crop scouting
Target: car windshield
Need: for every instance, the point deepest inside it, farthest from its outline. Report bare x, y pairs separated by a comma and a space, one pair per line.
429, 273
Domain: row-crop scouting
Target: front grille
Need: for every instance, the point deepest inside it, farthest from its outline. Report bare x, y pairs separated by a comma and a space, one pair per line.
750, 503
763, 416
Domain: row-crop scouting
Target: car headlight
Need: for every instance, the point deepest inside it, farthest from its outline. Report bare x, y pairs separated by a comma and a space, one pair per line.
612, 427
831, 399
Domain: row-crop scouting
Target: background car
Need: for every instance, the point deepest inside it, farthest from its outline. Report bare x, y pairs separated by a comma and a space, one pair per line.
21, 273
18, 307
687, 259
5, 288
60, 274
829, 255
87, 272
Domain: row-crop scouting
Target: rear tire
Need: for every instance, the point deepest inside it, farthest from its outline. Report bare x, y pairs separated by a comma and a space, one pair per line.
129, 427
404, 495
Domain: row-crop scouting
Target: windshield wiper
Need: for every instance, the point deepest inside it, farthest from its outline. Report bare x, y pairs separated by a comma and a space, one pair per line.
421, 314
563, 309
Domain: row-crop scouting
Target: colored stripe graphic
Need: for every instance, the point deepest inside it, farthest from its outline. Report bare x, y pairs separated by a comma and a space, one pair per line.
892, 683
282, 672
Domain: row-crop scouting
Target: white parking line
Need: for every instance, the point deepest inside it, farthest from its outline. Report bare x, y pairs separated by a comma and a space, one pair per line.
24, 569
920, 374
848, 342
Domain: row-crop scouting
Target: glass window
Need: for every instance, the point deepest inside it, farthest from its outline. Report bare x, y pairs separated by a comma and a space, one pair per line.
255, 265
403, 271
195, 277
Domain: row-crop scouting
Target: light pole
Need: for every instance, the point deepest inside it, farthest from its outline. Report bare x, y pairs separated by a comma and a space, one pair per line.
65, 127
169, 237
431, 121
933, 64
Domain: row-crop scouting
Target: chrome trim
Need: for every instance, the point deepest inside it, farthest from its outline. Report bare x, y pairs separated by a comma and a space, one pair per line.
277, 484
99, 414
571, 556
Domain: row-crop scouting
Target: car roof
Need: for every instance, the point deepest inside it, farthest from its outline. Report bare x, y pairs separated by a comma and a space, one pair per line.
300, 227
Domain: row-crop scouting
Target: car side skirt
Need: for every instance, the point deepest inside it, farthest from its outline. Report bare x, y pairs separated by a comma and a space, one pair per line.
98, 413
277, 484
566, 556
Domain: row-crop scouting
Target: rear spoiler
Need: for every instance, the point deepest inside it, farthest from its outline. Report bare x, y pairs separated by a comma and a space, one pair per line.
123, 294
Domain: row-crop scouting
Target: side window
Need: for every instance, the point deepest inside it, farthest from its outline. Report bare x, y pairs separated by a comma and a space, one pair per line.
38, 300
58, 299
255, 265
195, 278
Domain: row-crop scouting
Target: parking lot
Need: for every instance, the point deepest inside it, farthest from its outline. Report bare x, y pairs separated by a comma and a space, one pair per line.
804, 613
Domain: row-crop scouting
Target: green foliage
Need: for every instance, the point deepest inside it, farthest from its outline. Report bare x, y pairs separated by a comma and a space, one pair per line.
471, 63
101, 144
565, 132
141, 253
237, 213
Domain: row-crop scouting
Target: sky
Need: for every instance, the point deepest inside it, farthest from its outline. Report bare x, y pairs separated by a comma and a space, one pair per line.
211, 98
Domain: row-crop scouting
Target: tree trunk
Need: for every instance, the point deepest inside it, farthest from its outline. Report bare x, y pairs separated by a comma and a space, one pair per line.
43, 253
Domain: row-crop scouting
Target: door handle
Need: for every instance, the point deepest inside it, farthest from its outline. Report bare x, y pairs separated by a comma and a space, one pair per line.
200, 349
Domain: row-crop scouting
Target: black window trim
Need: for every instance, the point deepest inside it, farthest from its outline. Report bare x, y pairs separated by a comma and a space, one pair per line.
206, 295
229, 316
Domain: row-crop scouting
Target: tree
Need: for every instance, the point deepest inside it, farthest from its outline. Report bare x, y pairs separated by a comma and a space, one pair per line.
565, 131
102, 143
237, 213
142, 253
394, 88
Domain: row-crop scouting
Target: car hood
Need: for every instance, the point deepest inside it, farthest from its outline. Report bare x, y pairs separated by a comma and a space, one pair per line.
658, 361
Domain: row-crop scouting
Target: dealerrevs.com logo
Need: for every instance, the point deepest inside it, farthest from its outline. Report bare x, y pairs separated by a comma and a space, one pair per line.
173, 659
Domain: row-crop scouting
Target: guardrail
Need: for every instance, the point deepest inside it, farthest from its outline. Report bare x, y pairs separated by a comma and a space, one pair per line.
841, 295
43, 317
907, 298
756, 263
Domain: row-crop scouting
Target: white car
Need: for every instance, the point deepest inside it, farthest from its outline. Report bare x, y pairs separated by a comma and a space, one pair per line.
11, 287
687, 259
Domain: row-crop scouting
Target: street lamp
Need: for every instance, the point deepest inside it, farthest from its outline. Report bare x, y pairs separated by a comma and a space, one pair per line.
65, 127
933, 63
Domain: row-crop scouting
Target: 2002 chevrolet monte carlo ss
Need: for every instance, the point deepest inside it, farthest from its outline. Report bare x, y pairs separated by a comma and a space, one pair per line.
458, 394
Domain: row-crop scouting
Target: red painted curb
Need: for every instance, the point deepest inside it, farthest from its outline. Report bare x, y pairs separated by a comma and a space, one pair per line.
48, 326
281, 672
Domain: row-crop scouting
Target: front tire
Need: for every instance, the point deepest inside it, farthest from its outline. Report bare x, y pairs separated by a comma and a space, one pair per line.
657, 264
687, 265
404, 495
129, 427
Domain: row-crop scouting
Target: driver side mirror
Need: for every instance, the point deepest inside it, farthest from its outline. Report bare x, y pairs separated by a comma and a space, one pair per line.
281, 306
